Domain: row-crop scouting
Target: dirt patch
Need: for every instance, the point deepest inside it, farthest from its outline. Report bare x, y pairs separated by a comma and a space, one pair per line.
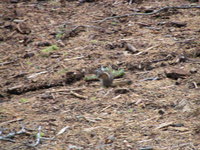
46, 49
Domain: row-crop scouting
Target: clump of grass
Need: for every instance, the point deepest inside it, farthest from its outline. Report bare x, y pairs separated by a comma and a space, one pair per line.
90, 78
23, 100
94, 41
60, 35
114, 23
118, 73
93, 98
29, 63
50, 49
115, 73
46, 51
41, 135
63, 71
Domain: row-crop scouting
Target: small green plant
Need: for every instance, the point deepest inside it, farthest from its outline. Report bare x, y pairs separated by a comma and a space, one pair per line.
130, 110
93, 98
113, 23
2, 110
62, 71
41, 135
89, 78
65, 53
50, 49
94, 41
118, 73
60, 35
115, 73
46, 51
29, 63
23, 100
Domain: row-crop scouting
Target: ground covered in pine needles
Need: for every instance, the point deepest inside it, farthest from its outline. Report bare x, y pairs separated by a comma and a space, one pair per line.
48, 48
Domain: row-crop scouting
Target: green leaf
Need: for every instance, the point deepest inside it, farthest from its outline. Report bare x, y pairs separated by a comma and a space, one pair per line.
41, 135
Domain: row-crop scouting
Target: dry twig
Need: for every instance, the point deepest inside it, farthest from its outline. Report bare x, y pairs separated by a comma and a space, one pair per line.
11, 121
151, 13
38, 138
9, 136
78, 95
36, 74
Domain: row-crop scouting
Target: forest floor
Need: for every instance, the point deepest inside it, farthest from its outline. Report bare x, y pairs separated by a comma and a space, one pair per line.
47, 49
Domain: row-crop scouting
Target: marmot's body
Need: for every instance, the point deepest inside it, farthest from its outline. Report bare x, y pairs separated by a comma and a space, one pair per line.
105, 77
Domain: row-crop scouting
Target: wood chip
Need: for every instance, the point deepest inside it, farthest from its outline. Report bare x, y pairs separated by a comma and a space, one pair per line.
163, 125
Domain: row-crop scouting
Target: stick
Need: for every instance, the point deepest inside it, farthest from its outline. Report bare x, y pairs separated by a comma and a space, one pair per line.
9, 136
78, 95
74, 58
151, 13
11, 121
38, 138
36, 74
66, 90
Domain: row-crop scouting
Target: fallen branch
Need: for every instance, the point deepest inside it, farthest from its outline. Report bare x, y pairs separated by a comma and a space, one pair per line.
151, 13
9, 136
7, 62
65, 90
70, 78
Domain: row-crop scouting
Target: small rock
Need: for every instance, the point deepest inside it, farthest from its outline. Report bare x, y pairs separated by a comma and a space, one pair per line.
1, 39
178, 81
83, 1
181, 58
161, 111
44, 43
176, 24
28, 55
193, 1
121, 91
110, 139
110, 46
176, 73
193, 70
14, 1
177, 125
146, 148
46, 96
